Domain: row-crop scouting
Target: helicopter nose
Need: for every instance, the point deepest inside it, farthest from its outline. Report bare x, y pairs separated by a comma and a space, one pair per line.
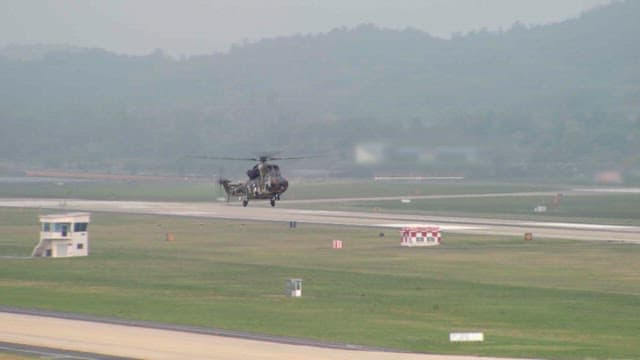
284, 184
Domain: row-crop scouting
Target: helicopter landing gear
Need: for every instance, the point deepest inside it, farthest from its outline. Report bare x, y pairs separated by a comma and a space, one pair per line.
273, 202
278, 196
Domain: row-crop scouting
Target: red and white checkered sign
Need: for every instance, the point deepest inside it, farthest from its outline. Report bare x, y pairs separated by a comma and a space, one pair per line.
420, 236
337, 244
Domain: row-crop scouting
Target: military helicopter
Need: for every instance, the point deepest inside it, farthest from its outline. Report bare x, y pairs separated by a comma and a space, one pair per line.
265, 180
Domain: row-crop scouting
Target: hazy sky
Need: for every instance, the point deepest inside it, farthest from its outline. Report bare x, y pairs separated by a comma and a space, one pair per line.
199, 26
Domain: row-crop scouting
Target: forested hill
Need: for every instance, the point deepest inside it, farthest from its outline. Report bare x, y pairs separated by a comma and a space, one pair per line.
561, 98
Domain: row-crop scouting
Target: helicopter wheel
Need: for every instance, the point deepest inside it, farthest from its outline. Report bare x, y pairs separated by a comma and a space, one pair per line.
273, 202
245, 203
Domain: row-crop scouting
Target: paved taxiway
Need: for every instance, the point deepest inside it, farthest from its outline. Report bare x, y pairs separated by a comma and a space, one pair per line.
468, 225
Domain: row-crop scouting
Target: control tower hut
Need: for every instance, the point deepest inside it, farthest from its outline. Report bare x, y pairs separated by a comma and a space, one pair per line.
420, 236
63, 235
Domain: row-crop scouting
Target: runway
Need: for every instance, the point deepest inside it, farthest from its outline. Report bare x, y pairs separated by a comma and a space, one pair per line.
149, 342
41, 352
467, 225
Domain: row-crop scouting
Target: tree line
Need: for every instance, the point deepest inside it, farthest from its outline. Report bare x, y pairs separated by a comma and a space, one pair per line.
552, 100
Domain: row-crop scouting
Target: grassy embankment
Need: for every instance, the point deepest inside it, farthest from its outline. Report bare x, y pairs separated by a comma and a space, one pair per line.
547, 298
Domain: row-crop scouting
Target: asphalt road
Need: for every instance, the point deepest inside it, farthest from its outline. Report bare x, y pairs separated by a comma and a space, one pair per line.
468, 225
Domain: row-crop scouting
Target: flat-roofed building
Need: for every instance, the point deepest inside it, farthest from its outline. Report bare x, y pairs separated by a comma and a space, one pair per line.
63, 235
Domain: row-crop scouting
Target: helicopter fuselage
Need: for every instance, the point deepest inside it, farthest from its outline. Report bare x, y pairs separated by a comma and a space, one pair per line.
265, 182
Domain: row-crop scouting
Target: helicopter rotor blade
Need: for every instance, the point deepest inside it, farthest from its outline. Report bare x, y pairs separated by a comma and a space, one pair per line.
294, 157
260, 158
222, 158
220, 179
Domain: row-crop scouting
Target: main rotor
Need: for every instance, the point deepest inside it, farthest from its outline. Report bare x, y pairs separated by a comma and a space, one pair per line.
262, 158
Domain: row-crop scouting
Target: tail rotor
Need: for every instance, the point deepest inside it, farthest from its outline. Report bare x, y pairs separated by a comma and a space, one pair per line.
223, 184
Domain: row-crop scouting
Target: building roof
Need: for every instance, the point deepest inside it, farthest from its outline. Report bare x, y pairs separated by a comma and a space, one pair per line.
75, 216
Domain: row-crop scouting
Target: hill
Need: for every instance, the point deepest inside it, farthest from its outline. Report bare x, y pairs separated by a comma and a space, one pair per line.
554, 100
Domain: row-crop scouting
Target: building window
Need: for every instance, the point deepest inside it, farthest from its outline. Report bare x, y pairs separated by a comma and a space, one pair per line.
46, 227
80, 227
61, 227
80, 246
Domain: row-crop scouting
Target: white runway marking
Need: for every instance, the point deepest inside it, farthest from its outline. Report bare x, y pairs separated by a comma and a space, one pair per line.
610, 190
580, 226
443, 227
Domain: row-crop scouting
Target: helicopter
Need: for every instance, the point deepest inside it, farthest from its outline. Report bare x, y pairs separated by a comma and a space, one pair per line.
265, 180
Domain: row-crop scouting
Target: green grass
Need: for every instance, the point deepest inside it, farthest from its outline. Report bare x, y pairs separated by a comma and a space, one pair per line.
144, 191
194, 191
350, 189
547, 298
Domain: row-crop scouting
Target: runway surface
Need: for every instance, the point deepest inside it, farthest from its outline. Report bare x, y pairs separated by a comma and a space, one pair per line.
468, 225
41, 352
138, 342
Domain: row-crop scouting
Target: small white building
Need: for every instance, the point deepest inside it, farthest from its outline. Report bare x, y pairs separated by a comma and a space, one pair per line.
293, 287
63, 235
420, 236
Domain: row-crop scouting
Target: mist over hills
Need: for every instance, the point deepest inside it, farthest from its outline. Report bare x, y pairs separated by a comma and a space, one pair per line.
560, 100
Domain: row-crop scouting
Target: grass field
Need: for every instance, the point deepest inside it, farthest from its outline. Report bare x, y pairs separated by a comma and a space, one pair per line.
196, 191
548, 298
143, 191
350, 189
